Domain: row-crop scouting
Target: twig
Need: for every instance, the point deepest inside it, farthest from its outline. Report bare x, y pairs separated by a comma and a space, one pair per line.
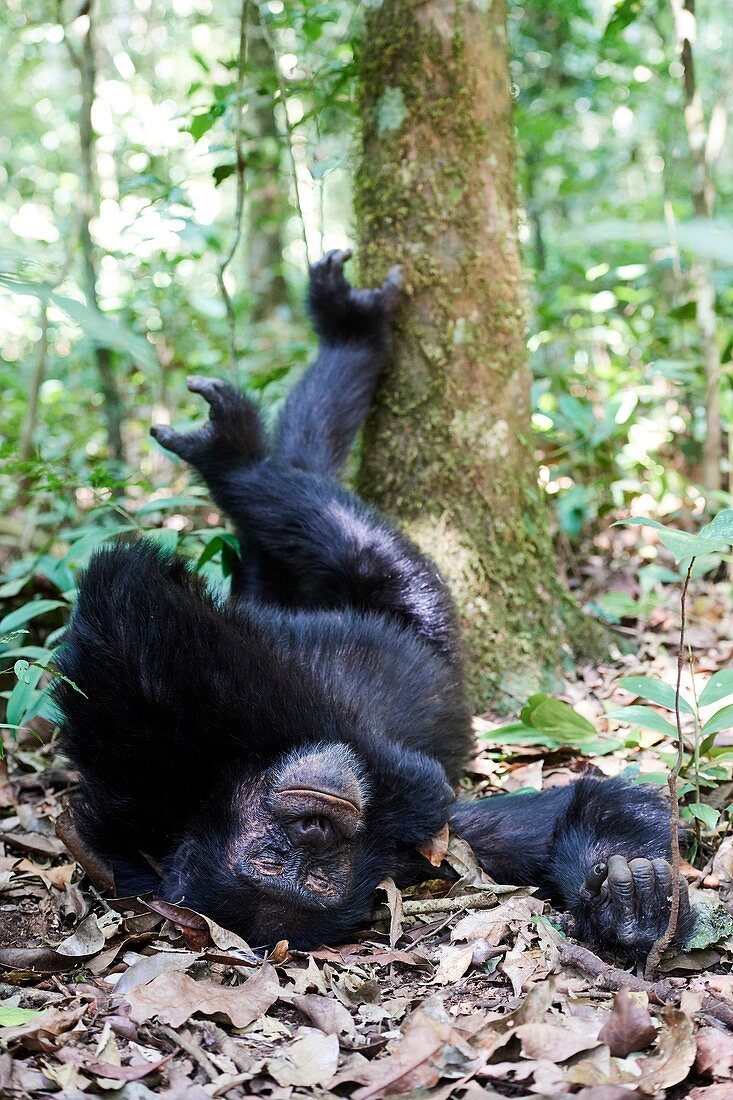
667, 936
696, 748
668, 991
484, 899
192, 1049
289, 132
239, 206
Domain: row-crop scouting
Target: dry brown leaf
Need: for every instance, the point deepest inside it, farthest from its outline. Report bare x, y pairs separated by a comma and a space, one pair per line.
109, 1071
419, 1057
59, 876
554, 1042
722, 869
145, 969
710, 1092
36, 960
174, 998
34, 843
453, 963
86, 940
461, 858
98, 872
436, 849
493, 924
40, 1032
714, 1053
309, 1061
326, 1013
667, 1065
524, 964
524, 776
394, 903
280, 953
535, 1006
629, 1027
200, 931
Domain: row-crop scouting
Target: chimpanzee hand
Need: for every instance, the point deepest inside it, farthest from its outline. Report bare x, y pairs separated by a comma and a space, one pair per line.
624, 905
231, 436
339, 311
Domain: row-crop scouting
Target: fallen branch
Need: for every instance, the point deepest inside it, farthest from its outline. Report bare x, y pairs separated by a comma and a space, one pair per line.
483, 899
668, 991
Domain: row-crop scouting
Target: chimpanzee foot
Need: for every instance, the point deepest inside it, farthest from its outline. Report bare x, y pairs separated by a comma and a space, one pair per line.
232, 435
625, 905
338, 309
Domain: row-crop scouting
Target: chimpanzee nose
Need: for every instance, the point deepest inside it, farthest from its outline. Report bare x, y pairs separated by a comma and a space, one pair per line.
315, 833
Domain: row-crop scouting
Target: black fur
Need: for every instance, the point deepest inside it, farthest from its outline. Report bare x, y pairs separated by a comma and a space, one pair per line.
277, 754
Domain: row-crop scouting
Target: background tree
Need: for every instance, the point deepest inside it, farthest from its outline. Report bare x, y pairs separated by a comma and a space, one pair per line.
448, 447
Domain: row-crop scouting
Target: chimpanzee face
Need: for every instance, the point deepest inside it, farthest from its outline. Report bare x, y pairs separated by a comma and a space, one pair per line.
279, 859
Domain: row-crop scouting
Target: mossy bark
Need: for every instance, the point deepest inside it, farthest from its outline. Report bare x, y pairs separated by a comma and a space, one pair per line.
448, 447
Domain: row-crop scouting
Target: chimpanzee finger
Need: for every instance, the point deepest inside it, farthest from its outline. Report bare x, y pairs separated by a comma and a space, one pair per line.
171, 440
642, 872
621, 895
594, 880
684, 897
663, 875
214, 391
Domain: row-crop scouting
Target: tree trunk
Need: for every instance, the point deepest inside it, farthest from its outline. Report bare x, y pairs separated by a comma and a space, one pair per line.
103, 355
704, 152
448, 448
268, 205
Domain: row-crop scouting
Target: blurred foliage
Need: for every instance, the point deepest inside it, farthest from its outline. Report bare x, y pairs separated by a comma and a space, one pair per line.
609, 236
607, 228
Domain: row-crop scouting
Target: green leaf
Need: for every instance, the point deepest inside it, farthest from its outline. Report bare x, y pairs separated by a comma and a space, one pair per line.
707, 814
718, 687
29, 611
202, 122
559, 719
643, 716
655, 691
222, 172
12, 1017
711, 539
23, 695
655, 779
164, 537
721, 720
169, 504
219, 543
516, 733
623, 14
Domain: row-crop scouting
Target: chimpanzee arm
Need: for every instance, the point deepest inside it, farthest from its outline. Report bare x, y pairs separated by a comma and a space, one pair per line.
598, 848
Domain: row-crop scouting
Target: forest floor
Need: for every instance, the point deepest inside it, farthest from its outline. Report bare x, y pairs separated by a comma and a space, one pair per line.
478, 992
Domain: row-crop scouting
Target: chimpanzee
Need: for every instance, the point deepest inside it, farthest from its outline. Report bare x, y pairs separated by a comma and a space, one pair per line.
270, 757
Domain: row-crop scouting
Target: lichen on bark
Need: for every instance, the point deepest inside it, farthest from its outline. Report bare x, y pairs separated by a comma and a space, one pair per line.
448, 447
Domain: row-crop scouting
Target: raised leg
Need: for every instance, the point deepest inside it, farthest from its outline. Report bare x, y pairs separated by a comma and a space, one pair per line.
336, 551
329, 404
315, 544
598, 848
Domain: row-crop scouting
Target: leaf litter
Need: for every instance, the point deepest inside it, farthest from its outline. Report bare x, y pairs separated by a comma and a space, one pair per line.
467, 990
